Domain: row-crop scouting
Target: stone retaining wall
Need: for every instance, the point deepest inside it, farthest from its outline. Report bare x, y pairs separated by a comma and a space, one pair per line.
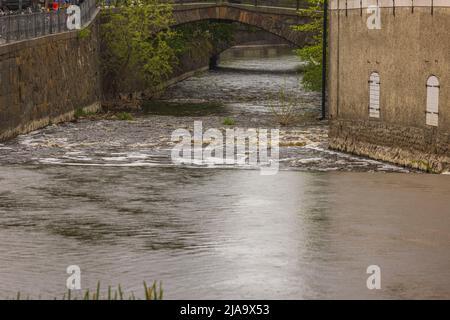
45, 80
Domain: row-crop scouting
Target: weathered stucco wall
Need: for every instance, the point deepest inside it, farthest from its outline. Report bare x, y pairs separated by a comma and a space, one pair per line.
45, 80
411, 45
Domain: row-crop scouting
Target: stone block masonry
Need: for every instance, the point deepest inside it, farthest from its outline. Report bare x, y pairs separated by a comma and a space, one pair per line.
44, 80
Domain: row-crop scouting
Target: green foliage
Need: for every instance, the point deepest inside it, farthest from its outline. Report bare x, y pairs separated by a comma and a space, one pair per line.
124, 116
136, 38
311, 54
220, 33
154, 292
423, 165
229, 122
284, 108
312, 77
208, 35
140, 49
81, 113
84, 33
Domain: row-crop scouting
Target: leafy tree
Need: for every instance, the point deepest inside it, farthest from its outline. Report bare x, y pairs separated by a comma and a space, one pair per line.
311, 54
136, 41
210, 35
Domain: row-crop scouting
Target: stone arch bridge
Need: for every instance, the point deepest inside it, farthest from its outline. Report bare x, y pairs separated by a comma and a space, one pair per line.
276, 20
34, 91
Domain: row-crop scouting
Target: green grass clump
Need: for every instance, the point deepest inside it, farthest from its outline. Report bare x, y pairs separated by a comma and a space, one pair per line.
84, 33
81, 113
422, 165
229, 122
124, 116
154, 292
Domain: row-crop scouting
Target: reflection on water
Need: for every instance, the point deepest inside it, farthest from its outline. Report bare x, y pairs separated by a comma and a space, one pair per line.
225, 233
104, 195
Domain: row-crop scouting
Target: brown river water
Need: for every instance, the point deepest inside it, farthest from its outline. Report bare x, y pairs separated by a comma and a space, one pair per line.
104, 195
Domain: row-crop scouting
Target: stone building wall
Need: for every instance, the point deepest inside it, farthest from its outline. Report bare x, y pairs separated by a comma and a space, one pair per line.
412, 45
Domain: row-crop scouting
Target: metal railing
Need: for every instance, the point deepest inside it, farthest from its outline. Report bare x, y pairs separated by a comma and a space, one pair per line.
32, 25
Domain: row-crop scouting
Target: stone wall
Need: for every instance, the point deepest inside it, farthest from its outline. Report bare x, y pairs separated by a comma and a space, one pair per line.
412, 45
278, 21
45, 80
423, 148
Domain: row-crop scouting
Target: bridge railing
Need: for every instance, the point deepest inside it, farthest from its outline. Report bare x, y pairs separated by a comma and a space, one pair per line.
32, 25
294, 4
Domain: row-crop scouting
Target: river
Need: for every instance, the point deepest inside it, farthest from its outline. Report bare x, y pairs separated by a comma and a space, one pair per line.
103, 194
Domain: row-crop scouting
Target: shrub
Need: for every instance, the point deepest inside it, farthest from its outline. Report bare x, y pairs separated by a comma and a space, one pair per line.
284, 108
135, 41
311, 53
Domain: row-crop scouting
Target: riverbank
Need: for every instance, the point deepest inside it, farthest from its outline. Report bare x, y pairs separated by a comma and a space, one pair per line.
240, 94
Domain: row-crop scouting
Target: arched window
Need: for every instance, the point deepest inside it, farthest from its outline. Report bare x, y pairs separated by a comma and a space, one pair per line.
374, 95
432, 101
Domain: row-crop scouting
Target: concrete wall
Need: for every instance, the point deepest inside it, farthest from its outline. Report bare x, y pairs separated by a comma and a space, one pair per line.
44, 80
412, 45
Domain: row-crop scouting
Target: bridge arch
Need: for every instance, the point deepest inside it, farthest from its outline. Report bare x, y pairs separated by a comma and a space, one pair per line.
278, 21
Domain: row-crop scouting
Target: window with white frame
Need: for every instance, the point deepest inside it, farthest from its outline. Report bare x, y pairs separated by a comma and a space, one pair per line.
374, 95
432, 111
